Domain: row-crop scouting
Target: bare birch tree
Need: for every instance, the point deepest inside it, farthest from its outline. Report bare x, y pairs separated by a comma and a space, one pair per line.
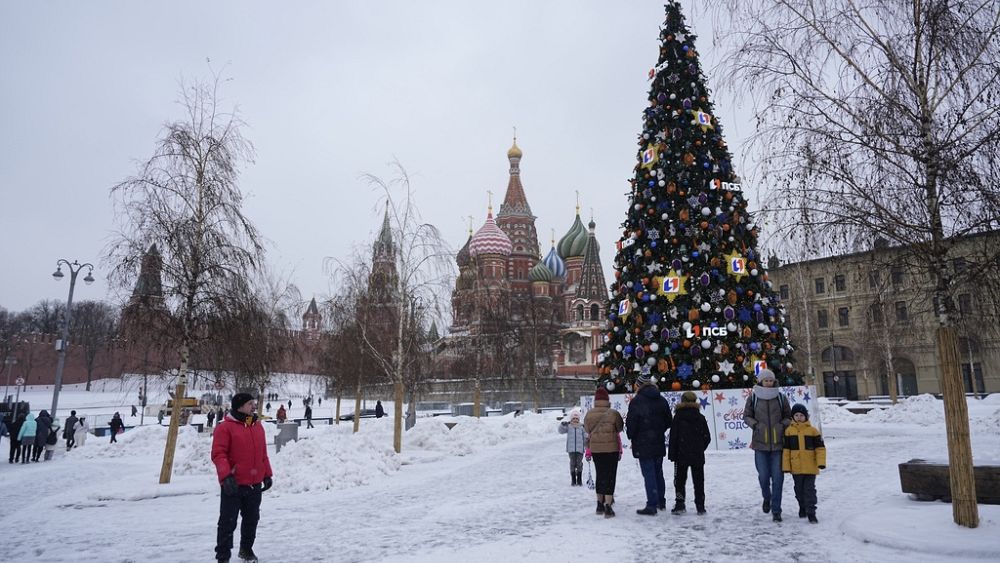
187, 200
881, 118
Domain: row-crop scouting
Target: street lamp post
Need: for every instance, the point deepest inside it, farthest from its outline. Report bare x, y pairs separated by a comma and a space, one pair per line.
10, 362
74, 269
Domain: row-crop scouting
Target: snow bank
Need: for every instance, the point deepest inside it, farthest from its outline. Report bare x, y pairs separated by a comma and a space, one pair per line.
833, 414
332, 457
924, 410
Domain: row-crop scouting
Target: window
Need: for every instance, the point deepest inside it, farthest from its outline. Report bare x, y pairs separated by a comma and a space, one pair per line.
840, 282
958, 265
897, 275
595, 312
901, 314
965, 304
844, 316
822, 319
579, 312
876, 315
783, 291
873, 280
837, 353
967, 375
820, 286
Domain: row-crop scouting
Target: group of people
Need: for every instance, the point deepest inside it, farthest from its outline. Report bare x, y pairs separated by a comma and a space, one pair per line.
783, 442
31, 436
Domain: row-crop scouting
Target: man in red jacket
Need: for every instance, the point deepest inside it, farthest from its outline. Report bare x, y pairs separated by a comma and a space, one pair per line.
239, 452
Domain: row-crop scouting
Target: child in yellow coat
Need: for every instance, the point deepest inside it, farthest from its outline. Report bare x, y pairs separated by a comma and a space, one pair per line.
803, 456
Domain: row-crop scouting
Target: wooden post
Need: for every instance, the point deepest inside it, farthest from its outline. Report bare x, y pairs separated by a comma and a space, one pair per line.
397, 434
336, 417
956, 418
175, 418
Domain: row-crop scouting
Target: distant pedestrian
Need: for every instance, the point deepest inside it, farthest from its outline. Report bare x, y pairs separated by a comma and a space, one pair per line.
689, 438
603, 425
80, 431
379, 411
289, 404
767, 413
117, 426
210, 417
646, 425
43, 425
134, 410
239, 452
319, 401
576, 440
27, 437
309, 417
68, 430
282, 415
267, 407
159, 417
14, 429
52, 440
804, 455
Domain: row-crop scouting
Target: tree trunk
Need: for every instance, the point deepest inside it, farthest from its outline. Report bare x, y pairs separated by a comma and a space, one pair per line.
357, 406
175, 419
476, 400
336, 415
890, 374
397, 410
956, 418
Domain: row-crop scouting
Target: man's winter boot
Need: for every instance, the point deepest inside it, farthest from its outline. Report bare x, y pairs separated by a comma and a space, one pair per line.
600, 507
648, 511
248, 555
608, 511
812, 518
766, 507
776, 517
678, 508
701, 508
572, 478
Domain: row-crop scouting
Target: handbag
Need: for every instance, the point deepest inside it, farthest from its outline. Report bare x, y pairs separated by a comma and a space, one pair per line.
590, 479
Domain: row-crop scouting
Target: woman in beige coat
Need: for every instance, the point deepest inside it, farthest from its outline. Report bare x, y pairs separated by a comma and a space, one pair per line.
603, 425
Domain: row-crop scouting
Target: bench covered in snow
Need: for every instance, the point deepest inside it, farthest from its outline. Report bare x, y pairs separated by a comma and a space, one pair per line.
928, 480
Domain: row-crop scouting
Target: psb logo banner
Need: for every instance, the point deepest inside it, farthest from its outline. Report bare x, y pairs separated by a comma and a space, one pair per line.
697, 331
671, 284
738, 265
759, 365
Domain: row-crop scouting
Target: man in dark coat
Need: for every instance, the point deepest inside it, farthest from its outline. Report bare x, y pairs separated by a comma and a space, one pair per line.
116, 424
14, 428
646, 425
379, 411
309, 417
68, 430
689, 438
43, 425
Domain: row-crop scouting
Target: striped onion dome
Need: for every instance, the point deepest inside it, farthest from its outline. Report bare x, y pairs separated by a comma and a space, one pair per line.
555, 264
574, 242
540, 273
489, 239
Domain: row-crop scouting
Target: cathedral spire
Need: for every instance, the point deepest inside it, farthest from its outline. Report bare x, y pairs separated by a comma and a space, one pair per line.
514, 202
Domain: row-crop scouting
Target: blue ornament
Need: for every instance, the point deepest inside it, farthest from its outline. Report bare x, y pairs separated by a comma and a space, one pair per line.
652, 244
774, 328
627, 350
694, 254
771, 311
756, 307
754, 346
685, 48
684, 371
744, 315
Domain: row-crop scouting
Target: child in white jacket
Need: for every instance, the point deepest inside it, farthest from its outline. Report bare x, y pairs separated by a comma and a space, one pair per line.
575, 445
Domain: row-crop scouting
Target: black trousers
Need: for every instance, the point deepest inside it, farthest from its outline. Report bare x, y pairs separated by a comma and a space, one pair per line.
805, 492
606, 466
15, 449
246, 501
680, 482
70, 441
26, 445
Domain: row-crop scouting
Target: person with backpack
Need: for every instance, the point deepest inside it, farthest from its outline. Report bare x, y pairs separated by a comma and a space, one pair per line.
768, 414
689, 438
52, 440
117, 425
80, 431
43, 425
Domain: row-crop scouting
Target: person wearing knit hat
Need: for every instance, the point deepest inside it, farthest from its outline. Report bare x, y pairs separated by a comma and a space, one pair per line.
603, 425
689, 438
646, 426
576, 444
239, 452
804, 456
767, 413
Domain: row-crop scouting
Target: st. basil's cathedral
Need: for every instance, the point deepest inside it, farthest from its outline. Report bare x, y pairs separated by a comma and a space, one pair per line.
557, 304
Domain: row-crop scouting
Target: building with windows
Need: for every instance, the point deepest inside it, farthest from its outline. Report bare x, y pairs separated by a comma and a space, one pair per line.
858, 319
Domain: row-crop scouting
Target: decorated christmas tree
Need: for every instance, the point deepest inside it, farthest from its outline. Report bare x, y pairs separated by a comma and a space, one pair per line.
690, 304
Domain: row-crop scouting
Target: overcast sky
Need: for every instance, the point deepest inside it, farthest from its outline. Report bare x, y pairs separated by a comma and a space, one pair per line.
329, 90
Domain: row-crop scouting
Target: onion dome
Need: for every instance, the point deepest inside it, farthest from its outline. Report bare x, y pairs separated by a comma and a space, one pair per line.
540, 273
514, 151
463, 257
574, 242
555, 264
489, 239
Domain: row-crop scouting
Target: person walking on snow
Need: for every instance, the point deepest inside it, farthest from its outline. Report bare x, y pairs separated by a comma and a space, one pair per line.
646, 425
14, 429
239, 452
309, 417
576, 440
210, 417
379, 411
767, 413
27, 437
52, 440
804, 456
68, 430
117, 425
80, 431
43, 425
603, 425
134, 411
689, 438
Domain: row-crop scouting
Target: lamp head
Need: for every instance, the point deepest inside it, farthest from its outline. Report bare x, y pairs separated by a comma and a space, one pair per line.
57, 275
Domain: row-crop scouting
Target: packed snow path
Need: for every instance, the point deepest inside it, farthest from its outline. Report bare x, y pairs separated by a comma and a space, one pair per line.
489, 489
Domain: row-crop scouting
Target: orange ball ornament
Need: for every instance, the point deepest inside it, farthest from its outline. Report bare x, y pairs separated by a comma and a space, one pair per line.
676, 386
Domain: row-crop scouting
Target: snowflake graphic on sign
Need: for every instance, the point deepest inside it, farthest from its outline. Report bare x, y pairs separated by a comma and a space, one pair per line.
737, 444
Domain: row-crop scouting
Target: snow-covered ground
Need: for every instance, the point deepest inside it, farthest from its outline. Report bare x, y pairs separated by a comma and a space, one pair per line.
487, 489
